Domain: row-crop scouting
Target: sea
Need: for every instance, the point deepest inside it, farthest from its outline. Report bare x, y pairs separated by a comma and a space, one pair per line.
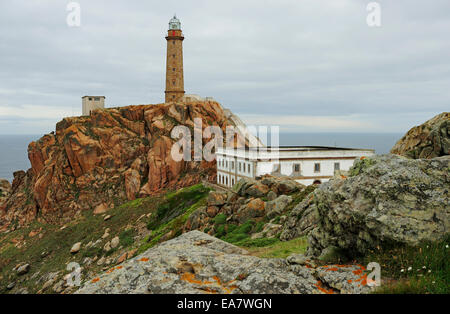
14, 156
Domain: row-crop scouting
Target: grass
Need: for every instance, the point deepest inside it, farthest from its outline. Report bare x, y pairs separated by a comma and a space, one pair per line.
173, 212
277, 249
236, 233
126, 237
58, 243
424, 269
176, 203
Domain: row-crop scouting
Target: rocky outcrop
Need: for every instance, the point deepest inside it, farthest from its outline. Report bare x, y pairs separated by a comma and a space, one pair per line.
109, 157
198, 263
429, 140
21, 200
248, 200
385, 199
5, 191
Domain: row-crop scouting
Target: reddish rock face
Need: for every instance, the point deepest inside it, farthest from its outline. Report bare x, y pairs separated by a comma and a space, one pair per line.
428, 140
109, 157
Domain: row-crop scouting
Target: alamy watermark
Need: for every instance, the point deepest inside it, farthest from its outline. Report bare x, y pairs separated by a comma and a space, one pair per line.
235, 137
74, 16
374, 17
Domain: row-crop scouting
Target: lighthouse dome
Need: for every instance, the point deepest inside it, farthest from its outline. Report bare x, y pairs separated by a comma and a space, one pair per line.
174, 23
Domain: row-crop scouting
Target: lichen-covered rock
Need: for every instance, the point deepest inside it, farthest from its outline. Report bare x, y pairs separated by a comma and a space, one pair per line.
277, 206
301, 220
197, 263
429, 140
385, 199
255, 208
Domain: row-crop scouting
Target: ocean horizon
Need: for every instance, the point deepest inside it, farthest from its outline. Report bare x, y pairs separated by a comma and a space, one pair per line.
14, 155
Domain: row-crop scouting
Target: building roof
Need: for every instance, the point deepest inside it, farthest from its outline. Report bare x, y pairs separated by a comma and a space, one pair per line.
300, 148
94, 96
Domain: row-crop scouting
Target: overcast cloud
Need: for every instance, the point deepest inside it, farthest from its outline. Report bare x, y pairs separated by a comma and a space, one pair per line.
306, 65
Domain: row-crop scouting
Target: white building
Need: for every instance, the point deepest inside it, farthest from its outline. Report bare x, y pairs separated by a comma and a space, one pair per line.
307, 165
91, 103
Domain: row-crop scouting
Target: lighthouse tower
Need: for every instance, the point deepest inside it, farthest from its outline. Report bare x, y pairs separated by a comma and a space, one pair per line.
174, 64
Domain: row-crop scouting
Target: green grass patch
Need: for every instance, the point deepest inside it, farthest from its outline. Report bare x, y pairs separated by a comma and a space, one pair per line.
263, 242
126, 237
421, 269
184, 202
176, 203
277, 249
220, 219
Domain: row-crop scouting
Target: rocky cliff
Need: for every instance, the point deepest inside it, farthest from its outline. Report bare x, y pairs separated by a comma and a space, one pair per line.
106, 158
428, 140
5, 190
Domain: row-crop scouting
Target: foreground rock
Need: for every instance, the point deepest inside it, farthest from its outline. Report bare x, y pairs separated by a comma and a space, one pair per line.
385, 199
107, 158
429, 140
198, 263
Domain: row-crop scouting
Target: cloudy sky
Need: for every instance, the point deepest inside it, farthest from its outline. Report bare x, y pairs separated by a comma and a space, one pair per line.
306, 65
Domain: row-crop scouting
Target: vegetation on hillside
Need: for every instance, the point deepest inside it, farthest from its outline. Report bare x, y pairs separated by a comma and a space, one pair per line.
421, 269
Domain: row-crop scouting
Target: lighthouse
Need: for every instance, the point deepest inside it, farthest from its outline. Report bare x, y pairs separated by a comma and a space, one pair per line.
174, 62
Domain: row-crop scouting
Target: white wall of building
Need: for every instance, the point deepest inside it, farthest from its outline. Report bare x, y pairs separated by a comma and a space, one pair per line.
91, 103
230, 163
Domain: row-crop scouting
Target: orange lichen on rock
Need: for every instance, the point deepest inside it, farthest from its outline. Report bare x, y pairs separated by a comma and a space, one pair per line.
190, 277
217, 279
332, 269
95, 280
362, 157
144, 259
320, 288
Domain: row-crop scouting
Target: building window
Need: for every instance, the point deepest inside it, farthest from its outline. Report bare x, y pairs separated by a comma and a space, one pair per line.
240, 166
276, 168
226, 163
226, 181
173, 69
317, 167
173, 56
90, 98
337, 166
244, 166
232, 165
296, 168
248, 168
97, 99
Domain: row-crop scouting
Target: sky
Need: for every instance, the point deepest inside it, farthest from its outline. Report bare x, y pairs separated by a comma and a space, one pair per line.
304, 65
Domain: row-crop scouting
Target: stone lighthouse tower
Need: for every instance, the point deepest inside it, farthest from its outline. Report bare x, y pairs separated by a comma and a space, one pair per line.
174, 64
